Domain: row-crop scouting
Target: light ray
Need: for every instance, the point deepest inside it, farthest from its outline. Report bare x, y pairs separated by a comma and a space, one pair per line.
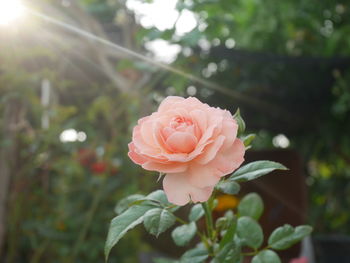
253, 102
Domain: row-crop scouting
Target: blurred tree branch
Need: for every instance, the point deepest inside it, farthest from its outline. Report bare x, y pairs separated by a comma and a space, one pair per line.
102, 56
12, 122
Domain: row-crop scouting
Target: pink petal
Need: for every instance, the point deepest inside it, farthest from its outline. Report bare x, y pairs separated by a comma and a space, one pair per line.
136, 158
211, 150
180, 192
207, 135
229, 130
223, 163
165, 167
141, 145
168, 102
203, 175
148, 133
177, 157
182, 142
167, 131
201, 194
229, 160
199, 118
193, 103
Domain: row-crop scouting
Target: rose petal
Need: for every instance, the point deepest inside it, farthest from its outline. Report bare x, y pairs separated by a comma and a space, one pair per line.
136, 158
229, 130
147, 133
180, 192
229, 160
140, 144
199, 119
182, 142
201, 194
211, 150
203, 175
165, 167
168, 102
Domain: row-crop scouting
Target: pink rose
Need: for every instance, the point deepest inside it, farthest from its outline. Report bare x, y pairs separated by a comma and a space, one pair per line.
193, 143
299, 260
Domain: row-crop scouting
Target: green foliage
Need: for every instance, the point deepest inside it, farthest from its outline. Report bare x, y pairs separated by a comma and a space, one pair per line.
250, 232
251, 205
182, 235
154, 211
286, 236
241, 124
255, 170
235, 232
123, 223
228, 187
158, 220
222, 242
266, 256
126, 202
229, 227
196, 212
247, 140
229, 253
195, 255
165, 260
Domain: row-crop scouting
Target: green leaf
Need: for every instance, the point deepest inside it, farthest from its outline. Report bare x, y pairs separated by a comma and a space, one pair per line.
159, 196
251, 205
123, 223
286, 236
302, 232
230, 253
254, 170
231, 230
247, 140
158, 220
196, 212
280, 237
182, 235
228, 187
221, 223
266, 256
240, 122
214, 204
229, 215
126, 202
196, 255
250, 232
229, 218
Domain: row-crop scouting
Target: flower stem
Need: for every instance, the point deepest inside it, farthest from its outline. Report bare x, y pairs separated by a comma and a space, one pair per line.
209, 220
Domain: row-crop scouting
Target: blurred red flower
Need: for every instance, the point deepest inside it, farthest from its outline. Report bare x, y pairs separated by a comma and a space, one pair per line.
299, 260
99, 167
86, 156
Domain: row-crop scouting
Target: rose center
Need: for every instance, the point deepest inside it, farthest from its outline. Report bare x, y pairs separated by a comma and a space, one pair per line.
179, 135
180, 124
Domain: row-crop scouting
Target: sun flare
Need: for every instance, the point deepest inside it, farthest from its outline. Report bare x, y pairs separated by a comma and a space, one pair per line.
10, 11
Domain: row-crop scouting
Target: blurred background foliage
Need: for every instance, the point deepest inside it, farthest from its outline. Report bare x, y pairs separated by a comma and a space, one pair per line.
284, 63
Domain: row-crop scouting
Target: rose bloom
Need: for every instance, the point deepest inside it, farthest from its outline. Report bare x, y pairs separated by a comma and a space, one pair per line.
192, 143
